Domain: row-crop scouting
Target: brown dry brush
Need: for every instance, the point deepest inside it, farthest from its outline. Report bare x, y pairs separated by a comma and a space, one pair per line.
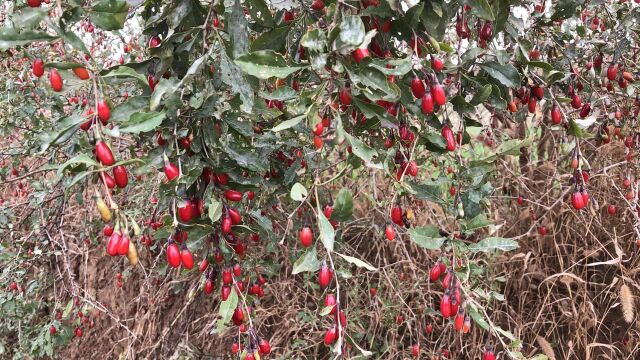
564, 292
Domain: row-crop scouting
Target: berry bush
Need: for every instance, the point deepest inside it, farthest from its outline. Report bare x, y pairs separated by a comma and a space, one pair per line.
320, 179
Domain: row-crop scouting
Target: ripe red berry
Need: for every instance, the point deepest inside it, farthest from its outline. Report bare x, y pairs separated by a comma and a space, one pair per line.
264, 346
171, 170
390, 232
417, 87
542, 230
81, 73
427, 103
186, 257
331, 335
324, 276
306, 236
437, 91
360, 54
317, 5
612, 72
611, 209
449, 139
120, 176
55, 80
38, 67
330, 301
345, 96
577, 200
436, 63
173, 255
556, 115
233, 195
104, 154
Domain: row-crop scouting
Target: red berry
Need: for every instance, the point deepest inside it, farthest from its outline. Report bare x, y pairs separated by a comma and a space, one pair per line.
417, 87
324, 276
55, 80
360, 54
390, 232
345, 96
306, 236
173, 255
104, 154
38, 67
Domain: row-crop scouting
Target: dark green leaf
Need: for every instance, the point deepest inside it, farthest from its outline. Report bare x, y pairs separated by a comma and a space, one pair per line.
307, 262
327, 233
9, 38
343, 206
314, 40
481, 9
142, 122
482, 95
507, 75
109, 14
274, 39
265, 64
238, 31
427, 237
232, 76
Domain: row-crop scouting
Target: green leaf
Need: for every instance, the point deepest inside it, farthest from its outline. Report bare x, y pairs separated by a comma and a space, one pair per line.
78, 159
9, 38
265, 64
288, 123
374, 84
481, 9
123, 111
246, 158
363, 151
63, 131
577, 131
227, 308
214, 209
493, 243
29, 18
314, 40
343, 206
460, 105
282, 93
352, 33
509, 147
357, 262
298, 192
238, 31
109, 14
396, 67
307, 262
540, 64
564, 9
274, 39
232, 76
507, 75
264, 222
427, 237
477, 317
165, 86
125, 72
142, 122
260, 12
327, 233
477, 222
482, 95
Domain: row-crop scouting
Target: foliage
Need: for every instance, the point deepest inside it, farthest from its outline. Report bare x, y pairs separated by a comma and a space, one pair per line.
265, 117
